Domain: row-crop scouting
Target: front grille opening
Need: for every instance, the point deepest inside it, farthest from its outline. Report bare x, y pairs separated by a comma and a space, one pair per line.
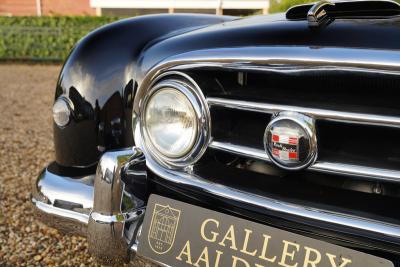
239, 127
356, 144
352, 91
359, 144
315, 190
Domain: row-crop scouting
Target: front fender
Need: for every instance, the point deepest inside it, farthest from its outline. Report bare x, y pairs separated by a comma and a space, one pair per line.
99, 78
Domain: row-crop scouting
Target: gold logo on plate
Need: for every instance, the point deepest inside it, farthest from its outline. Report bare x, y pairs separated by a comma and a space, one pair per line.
164, 224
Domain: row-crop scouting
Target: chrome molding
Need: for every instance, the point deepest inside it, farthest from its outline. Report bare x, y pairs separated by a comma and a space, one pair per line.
356, 170
192, 181
240, 150
319, 114
78, 217
325, 167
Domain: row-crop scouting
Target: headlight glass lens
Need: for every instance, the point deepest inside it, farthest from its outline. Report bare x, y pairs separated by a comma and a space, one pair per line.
61, 112
171, 122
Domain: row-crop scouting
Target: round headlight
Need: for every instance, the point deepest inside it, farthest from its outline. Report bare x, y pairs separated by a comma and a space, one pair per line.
175, 122
61, 112
171, 122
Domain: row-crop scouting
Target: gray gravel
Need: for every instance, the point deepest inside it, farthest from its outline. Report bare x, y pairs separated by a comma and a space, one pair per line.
26, 94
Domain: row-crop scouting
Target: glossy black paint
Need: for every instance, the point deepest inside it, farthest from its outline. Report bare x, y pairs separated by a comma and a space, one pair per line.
105, 68
100, 78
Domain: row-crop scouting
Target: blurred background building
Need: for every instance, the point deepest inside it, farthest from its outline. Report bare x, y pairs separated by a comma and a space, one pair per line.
130, 7
45, 7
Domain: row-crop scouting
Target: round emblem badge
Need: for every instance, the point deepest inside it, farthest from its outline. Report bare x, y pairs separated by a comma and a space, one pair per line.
290, 140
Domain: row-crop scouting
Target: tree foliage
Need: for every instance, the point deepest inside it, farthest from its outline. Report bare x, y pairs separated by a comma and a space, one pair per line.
283, 5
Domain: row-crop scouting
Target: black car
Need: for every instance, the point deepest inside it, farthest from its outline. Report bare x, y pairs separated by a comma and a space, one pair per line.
199, 140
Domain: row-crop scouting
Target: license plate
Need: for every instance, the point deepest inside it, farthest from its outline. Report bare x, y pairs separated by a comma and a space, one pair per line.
179, 234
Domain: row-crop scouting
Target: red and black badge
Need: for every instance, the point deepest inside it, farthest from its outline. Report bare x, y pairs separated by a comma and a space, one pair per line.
290, 140
285, 147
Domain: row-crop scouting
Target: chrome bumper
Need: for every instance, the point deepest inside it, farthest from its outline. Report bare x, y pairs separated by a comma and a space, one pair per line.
99, 206
103, 208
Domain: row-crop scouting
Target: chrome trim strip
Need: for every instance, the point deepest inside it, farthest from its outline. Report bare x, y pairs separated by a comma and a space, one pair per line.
107, 219
357, 170
61, 213
240, 150
321, 114
193, 181
325, 167
286, 57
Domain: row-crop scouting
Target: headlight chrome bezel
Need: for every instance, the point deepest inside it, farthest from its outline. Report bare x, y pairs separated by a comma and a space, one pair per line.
187, 86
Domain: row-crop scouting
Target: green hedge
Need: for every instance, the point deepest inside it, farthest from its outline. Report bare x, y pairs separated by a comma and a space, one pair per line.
44, 38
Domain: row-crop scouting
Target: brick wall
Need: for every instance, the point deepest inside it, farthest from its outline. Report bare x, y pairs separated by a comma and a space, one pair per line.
48, 7
17, 7
67, 7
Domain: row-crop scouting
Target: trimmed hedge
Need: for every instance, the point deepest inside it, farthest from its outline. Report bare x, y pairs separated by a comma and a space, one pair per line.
44, 38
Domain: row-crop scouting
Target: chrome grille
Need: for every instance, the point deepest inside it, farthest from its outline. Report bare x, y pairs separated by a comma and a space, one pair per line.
361, 171
317, 203
321, 114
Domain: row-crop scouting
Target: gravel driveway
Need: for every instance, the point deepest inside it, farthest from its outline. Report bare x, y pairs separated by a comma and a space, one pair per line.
26, 146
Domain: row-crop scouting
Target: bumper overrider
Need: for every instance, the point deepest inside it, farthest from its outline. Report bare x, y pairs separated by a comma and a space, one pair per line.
101, 206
